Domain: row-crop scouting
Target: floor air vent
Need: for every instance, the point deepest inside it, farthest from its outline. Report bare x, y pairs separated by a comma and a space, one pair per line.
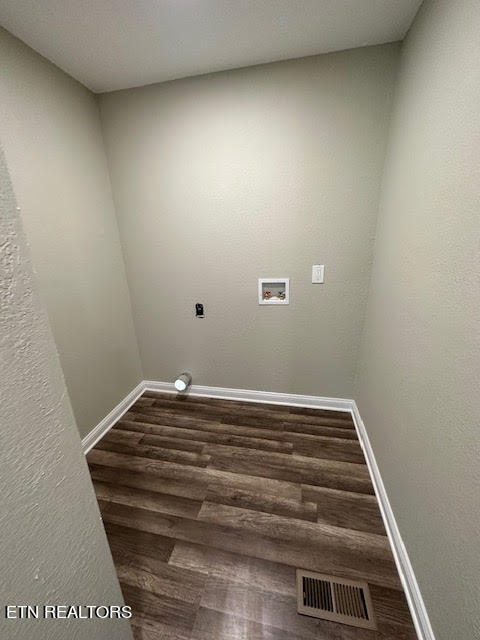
335, 599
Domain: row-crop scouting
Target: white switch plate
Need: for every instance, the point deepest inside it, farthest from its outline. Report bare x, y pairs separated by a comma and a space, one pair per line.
318, 273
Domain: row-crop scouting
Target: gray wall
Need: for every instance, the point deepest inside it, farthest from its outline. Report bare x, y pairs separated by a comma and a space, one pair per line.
52, 544
260, 172
419, 371
50, 129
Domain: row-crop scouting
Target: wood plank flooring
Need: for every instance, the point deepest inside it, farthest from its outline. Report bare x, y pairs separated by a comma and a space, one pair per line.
210, 505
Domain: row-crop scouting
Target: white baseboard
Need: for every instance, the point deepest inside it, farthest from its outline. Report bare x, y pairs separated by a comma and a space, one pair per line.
405, 570
97, 433
247, 395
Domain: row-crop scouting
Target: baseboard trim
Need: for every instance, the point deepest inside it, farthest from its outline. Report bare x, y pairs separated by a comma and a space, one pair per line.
248, 395
405, 570
97, 433
415, 601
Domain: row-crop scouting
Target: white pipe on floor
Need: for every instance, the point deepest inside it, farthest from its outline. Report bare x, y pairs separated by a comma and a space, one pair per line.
183, 381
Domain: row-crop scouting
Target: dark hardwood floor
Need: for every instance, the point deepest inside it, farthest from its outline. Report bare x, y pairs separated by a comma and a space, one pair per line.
210, 505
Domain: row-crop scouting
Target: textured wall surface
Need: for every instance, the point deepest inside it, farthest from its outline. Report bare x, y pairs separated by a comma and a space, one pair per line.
260, 172
50, 130
52, 543
419, 372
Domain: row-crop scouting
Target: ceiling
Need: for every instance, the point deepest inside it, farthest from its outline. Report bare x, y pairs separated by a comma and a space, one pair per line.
115, 44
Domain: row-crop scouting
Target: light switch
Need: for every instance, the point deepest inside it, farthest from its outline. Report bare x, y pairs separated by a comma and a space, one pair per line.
318, 273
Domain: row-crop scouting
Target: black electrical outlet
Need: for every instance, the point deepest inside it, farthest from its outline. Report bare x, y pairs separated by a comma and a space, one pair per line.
199, 310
